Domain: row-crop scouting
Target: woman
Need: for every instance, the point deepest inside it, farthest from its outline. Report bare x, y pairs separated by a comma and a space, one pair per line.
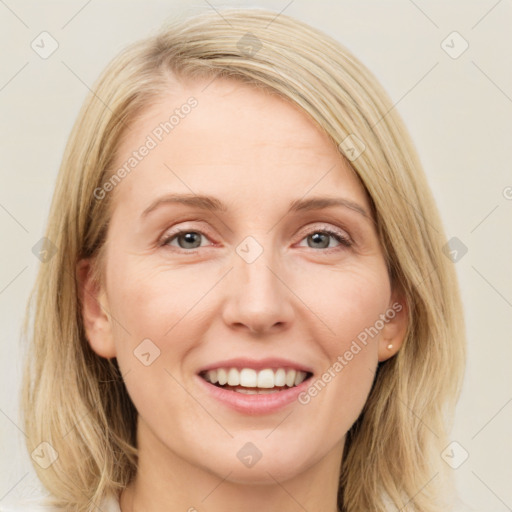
249, 307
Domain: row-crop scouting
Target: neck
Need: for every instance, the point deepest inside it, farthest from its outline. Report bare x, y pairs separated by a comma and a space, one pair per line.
165, 481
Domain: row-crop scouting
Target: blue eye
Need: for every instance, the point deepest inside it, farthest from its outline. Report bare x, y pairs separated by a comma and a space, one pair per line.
321, 239
190, 239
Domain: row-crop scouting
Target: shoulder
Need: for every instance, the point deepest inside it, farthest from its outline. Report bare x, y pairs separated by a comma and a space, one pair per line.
35, 505
108, 504
26, 506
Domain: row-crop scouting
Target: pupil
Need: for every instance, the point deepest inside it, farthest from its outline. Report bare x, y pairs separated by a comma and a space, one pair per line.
317, 238
189, 239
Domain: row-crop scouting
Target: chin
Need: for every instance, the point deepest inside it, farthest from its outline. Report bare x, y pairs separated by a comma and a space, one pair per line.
263, 473
258, 462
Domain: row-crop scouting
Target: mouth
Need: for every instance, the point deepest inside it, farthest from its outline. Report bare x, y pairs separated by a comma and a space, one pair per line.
250, 381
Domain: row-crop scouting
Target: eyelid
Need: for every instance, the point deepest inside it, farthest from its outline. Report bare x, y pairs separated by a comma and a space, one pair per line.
173, 233
345, 239
328, 228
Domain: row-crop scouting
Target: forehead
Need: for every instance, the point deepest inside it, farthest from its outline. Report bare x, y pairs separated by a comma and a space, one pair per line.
234, 135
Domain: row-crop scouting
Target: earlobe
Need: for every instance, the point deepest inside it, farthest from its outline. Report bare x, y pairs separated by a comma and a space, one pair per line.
94, 311
395, 328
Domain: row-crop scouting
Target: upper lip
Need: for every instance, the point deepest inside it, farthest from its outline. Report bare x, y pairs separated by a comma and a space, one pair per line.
257, 364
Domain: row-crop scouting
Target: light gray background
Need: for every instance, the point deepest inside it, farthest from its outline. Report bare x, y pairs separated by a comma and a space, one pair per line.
459, 112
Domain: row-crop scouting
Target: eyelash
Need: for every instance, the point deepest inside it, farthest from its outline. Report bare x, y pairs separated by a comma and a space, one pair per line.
343, 240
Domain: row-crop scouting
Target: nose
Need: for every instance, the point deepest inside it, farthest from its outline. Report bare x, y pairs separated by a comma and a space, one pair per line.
259, 299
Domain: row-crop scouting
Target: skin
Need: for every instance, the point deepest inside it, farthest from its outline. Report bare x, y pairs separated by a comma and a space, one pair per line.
299, 299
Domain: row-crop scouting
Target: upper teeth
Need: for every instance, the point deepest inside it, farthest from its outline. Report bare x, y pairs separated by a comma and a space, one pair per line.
249, 378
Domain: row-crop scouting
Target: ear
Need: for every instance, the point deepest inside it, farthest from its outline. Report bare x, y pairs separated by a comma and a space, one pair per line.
395, 328
94, 309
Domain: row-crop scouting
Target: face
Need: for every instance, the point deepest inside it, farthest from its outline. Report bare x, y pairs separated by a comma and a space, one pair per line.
223, 264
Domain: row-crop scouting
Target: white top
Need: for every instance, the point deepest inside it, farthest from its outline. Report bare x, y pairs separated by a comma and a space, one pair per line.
108, 504
111, 504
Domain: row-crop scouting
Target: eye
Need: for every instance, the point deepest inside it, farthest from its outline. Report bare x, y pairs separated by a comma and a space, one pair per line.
317, 239
321, 239
186, 239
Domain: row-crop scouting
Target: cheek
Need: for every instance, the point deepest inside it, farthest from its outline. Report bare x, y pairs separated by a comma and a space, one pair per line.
175, 307
154, 332
347, 300
152, 306
163, 304
152, 301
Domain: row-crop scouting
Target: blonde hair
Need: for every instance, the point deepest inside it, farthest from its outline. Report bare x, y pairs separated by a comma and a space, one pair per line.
77, 402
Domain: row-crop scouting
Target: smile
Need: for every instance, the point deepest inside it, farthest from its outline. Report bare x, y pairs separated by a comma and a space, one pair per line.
251, 382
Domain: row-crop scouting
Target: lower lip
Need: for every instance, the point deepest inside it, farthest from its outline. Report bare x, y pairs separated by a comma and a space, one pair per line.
255, 404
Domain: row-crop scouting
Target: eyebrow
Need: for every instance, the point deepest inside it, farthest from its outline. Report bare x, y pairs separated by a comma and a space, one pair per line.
213, 204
